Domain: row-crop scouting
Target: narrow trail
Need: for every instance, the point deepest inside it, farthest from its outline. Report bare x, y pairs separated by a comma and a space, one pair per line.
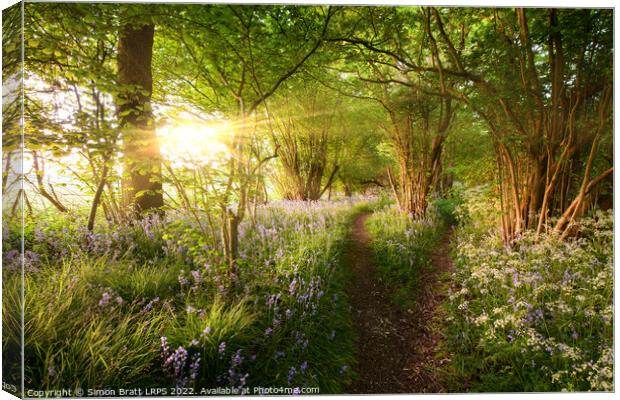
397, 348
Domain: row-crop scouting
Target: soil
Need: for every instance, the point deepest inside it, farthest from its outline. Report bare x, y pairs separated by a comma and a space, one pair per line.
398, 350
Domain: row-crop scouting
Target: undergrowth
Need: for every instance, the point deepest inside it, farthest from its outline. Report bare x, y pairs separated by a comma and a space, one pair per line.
403, 247
154, 304
534, 317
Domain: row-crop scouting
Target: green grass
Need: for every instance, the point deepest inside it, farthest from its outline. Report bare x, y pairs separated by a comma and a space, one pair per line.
96, 314
403, 248
71, 341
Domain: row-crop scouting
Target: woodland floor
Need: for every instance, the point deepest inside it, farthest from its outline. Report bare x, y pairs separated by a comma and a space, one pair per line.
399, 350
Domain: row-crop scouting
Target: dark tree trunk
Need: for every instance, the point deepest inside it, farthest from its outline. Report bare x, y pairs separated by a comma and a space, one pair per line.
142, 182
347, 190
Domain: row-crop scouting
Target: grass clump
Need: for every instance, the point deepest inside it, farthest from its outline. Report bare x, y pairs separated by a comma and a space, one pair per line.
80, 334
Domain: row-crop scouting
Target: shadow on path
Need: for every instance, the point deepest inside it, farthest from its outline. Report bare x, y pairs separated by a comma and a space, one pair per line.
396, 348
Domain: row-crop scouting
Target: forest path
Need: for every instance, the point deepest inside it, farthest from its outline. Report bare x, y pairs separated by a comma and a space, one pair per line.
398, 350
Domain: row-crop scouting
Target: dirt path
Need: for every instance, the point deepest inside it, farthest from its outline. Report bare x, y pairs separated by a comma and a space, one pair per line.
397, 349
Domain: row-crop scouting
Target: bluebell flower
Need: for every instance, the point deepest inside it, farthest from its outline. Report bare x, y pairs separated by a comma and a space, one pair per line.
515, 279
183, 280
291, 374
194, 367
237, 359
164, 345
105, 299
292, 286
197, 277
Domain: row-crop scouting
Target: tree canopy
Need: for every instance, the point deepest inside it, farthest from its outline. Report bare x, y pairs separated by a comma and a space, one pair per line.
311, 100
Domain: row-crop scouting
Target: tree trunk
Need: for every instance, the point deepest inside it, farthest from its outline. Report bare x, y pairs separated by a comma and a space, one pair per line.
142, 180
347, 190
97, 198
329, 183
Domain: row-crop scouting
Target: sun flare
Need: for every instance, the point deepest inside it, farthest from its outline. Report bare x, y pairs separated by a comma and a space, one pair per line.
193, 142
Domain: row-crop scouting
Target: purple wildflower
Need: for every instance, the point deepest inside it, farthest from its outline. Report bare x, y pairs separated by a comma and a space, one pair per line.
164, 345
237, 359
183, 280
291, 374
242, 379
515, 279
105, 299
39, 235
197, 277
175, 362
194, 367
150, 305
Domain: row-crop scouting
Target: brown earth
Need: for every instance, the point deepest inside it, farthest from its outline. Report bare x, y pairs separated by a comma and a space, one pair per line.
398, 350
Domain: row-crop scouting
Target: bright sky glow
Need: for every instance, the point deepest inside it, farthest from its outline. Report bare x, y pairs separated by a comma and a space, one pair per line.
191, 141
